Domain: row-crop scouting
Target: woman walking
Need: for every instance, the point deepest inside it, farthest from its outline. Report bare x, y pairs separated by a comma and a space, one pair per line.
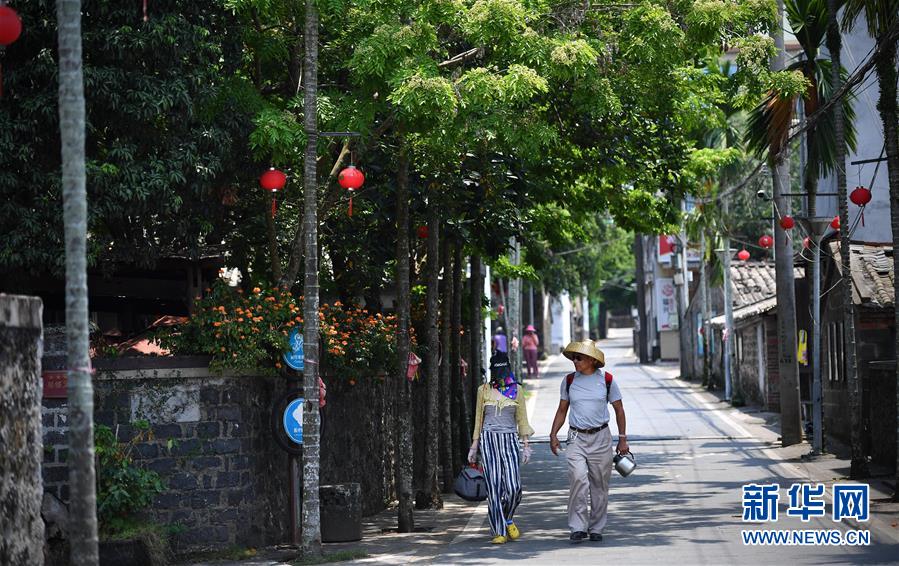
501, 420
530, 343
588, 392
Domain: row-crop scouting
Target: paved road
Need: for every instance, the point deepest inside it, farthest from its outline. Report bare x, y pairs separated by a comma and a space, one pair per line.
683, 504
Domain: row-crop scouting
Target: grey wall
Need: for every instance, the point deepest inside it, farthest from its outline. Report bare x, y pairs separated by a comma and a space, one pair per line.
21, 526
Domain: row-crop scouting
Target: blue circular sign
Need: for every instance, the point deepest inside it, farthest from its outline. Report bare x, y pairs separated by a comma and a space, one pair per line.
294, 358
292, 420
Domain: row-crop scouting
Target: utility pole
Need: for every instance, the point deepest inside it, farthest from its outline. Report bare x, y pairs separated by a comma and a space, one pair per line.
704, 298
680, 280
788, 368
724, 255
642, 334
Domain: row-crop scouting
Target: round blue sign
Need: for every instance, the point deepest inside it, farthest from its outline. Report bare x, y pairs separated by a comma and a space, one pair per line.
294, 358
293, 420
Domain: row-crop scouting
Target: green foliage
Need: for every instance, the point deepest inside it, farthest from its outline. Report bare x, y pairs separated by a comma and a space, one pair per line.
123, 488
249, 331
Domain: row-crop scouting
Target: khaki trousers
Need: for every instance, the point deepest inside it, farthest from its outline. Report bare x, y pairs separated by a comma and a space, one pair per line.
589, 472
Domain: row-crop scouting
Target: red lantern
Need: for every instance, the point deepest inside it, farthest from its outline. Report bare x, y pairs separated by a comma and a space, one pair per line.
10, 30
860, 196
422, 232
500, 309
766, 241
835, 223
806, 242
787, 222
350, 179
743, 255
273, 181
10, 25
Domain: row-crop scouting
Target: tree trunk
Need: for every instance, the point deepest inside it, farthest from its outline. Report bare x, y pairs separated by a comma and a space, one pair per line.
704, 307
429, 496
859, 465
456, 351
82, 478
274, 257
477, 323
311, 539
886, 105
514, 310
446, 393
404, 455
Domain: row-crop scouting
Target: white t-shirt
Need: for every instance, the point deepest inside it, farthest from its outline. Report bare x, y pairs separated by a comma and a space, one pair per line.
587, 397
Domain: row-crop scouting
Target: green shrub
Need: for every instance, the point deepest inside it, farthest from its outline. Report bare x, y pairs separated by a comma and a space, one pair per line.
123, 488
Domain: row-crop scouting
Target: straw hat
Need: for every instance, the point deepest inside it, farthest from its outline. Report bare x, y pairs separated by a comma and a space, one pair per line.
586, 348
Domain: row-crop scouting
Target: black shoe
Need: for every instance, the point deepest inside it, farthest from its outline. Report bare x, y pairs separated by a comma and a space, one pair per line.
577, 536
595, 537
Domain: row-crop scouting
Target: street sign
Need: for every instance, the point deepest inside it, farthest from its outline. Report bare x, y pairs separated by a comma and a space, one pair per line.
294, 358
292, 420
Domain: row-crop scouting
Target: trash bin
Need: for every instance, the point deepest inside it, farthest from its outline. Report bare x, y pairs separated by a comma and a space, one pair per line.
341, 512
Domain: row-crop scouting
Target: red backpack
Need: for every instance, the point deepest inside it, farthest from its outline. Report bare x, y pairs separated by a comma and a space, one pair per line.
570, 378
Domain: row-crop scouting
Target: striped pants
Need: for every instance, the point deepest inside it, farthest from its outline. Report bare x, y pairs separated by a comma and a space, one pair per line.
501, 470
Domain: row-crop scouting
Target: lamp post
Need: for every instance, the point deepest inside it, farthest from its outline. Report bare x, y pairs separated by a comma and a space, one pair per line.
724, 255
816, 226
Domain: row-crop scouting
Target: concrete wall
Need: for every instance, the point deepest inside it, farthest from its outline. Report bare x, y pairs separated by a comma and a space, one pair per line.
21, 526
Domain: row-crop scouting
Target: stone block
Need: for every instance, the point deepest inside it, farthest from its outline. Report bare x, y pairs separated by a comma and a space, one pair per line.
204, 499
228, 413
210, 395
208, 429
146, 450
56, 474
202, 463
227, 479
56, 438
225, 445
241, 462
168, 500
166, 431
163, 466
188, 447
183, 482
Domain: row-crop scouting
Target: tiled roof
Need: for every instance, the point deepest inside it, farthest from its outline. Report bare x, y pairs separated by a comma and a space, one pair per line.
872, 274
754, 281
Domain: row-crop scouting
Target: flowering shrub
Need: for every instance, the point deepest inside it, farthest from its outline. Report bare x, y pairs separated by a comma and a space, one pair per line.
249, 331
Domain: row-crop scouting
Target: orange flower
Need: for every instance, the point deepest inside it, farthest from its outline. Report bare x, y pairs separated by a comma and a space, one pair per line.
344, 342
278, 365
257, 290
222, 348
240, 320
352, 382
216, 323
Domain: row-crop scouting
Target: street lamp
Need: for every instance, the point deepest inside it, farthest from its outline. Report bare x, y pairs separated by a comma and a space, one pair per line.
816, 226
724, 256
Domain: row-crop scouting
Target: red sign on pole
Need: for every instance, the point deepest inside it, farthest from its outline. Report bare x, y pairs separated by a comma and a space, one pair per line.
55, 384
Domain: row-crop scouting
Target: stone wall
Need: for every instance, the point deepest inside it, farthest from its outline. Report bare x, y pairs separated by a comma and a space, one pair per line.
21, 526
212, 444
746, 345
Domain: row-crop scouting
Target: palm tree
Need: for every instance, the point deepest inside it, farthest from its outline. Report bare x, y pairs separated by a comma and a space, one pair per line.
858, 468
82, 478
769, 123
311, 536
882, 19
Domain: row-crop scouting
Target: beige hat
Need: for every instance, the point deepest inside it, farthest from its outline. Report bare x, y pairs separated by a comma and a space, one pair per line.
587, 348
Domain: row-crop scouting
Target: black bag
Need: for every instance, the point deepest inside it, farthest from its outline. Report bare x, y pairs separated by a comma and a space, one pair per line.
470, 484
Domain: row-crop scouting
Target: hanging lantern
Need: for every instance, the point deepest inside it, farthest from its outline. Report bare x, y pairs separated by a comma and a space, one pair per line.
422, 232
766, 241
861, 196
787, 222
350, 179
500, 309
743, 255
10, 30
835, 223
806, 242
273, 181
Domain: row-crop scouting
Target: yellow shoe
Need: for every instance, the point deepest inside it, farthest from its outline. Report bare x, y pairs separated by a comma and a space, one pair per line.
513, 531
500, 539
